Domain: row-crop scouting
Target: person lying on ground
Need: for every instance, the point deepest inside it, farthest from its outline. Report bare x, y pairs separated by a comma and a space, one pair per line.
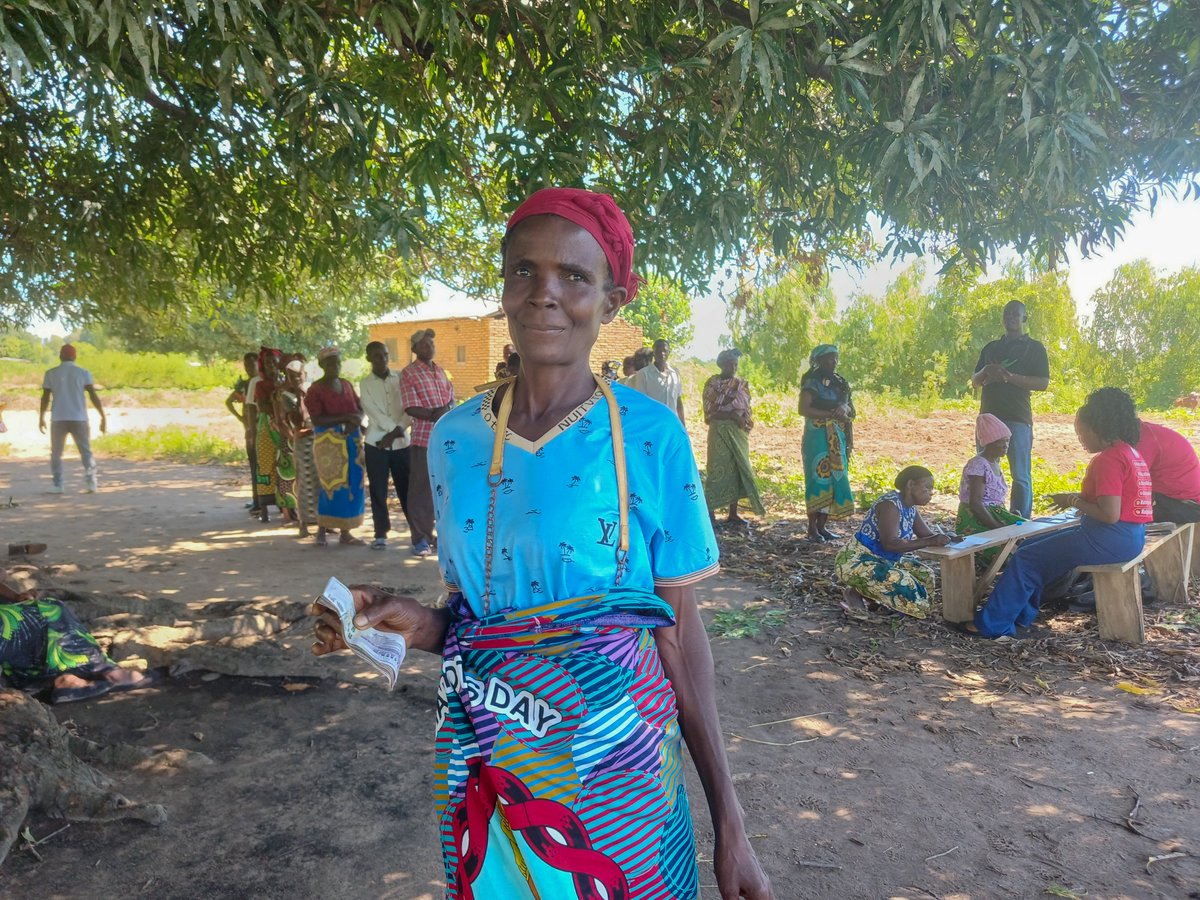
876, 566
1114, 505
1174, 473
573, 654
43, 643
983, 492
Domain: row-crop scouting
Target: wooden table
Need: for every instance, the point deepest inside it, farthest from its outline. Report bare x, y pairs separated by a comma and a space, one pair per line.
961, 590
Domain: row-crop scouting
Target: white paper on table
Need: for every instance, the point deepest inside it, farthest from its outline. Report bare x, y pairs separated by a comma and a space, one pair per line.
384, 650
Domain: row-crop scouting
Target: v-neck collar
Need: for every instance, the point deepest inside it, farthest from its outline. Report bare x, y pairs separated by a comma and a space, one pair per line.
523, 443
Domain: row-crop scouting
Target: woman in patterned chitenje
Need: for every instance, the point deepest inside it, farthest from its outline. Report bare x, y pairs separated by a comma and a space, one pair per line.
573, 529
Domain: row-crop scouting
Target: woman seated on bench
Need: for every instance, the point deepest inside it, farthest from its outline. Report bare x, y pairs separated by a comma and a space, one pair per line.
873, 565
983, 492
1114, 505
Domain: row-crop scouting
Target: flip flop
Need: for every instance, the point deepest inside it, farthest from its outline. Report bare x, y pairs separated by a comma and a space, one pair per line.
87, 692
966, 628
151, 678
29, 549
351, 542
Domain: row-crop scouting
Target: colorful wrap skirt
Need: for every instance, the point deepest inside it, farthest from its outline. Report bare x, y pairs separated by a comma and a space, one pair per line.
266, 450
338, 459
558, 755
729, 477
826, 480
905, 585
42, 639
968, 523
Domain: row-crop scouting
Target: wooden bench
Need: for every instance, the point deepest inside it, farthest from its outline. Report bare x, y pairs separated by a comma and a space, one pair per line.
1168, 561
961, 589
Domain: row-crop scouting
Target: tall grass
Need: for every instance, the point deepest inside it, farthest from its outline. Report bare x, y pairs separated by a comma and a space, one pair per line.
115, 369
170, 443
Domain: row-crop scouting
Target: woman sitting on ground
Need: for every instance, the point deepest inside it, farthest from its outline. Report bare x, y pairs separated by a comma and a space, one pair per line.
729, 476
983, 492
1114, 505
874, 564
41, 641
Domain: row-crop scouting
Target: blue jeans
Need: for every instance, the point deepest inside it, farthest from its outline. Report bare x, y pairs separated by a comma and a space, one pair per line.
1020, 452
1017, 596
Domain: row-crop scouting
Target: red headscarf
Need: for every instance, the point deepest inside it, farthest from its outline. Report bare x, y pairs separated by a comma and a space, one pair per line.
599, 216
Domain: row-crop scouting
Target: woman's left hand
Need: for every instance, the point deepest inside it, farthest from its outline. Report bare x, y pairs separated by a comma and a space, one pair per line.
1064, 500
738, 871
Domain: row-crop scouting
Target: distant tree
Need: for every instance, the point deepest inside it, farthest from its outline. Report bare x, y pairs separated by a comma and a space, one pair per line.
218, 325
662, 309
776, 326
1143, 329
924, 342
260, 144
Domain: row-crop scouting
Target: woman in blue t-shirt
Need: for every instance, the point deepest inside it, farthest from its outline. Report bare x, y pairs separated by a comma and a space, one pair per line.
572, 530
875, 564
1114, 504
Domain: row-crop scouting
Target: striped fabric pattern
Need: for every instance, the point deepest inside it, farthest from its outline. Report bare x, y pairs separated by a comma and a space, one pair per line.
558, 755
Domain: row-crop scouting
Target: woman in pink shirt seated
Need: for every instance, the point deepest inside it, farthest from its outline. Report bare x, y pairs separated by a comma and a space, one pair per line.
983, 492
1114, 506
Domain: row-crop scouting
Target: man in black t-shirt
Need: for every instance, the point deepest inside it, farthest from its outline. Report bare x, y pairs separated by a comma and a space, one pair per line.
1008, 371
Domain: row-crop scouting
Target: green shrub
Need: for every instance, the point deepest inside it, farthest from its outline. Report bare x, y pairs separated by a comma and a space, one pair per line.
170, 443
116, 369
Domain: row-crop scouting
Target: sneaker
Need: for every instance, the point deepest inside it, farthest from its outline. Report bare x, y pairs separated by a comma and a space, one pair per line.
90, 487
379, 544
54, 489
421, 549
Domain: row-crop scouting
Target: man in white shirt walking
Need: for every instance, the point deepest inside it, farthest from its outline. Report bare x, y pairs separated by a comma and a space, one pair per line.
66, 383
660, 380
387, 440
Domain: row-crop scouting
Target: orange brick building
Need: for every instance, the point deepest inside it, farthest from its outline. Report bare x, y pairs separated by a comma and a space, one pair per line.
468, 347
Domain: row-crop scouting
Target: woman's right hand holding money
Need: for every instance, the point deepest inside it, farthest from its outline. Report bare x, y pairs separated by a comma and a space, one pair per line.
421, 627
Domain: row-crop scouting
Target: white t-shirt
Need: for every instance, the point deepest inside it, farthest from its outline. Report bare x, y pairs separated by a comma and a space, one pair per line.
665, 387
66, 382
251, 390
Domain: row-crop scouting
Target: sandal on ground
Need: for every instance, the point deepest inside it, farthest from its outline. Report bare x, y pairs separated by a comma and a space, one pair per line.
29, 549
966, 628
322, 541
350, 540
855, 605
86, 692
149, 679
815, 538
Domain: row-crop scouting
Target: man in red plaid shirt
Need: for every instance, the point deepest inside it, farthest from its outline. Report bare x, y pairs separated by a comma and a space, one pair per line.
427, 395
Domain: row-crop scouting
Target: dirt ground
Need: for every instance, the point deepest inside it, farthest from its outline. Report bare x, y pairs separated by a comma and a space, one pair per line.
877, 760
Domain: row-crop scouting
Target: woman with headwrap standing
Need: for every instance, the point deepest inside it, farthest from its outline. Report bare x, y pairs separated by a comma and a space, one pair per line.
828, 411
299, 489
573, 530
337, 415
728, 475
266, 443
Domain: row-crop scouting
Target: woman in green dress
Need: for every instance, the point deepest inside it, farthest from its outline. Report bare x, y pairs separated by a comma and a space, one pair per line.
729, 477
828, 411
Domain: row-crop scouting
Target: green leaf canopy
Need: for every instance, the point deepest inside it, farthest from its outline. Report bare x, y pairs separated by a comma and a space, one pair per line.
147, 146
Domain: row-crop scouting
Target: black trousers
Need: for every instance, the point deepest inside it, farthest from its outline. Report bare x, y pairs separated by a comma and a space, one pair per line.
1172, 509
382, 465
